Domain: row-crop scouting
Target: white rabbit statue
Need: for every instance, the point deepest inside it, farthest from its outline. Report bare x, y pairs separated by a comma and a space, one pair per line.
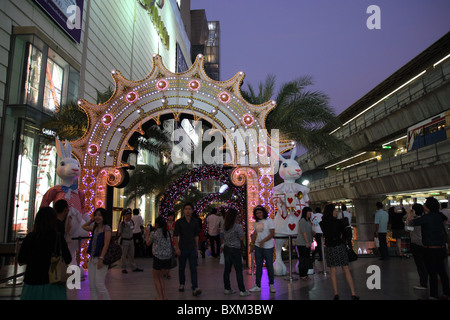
69, 170
289, 198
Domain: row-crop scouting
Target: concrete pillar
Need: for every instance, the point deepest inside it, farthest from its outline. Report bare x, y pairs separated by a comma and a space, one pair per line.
365, 209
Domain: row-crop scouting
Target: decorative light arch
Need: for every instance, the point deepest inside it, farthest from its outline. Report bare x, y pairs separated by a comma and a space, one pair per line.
104, 148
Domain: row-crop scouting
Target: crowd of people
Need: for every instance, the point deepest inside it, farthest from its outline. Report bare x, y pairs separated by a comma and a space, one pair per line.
184, 238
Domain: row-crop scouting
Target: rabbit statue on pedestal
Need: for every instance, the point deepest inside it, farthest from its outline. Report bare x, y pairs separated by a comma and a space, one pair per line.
289, 198
69, 170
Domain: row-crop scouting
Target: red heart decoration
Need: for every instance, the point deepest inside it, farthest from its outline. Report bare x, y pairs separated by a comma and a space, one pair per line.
291, 226
290, 200
297, 213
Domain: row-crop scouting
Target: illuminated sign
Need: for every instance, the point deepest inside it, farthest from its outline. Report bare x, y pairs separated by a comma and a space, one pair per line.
152, 10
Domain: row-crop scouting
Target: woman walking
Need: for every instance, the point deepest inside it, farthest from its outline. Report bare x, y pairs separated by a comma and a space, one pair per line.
304, 240
335, 252
101, 236
36, 251
264, 247
233, 235
162, 253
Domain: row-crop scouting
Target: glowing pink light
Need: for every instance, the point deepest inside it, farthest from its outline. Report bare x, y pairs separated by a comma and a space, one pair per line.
224, 97
93, 149
162, 85
107, 119
247, 119
131, 97
194, 85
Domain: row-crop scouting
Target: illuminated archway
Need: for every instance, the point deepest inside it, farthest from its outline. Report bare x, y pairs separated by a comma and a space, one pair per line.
196, 175
103, 150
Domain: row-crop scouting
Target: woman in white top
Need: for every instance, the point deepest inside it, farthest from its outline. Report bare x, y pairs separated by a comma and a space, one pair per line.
262, 242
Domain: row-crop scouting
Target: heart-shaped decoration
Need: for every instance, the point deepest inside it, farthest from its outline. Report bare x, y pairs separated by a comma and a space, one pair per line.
291, 226
297, 213
290, 200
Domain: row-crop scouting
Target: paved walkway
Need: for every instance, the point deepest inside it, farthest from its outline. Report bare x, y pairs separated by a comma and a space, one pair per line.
398, 277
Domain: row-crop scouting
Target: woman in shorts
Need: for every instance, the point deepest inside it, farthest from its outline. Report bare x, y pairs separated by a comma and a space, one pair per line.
162, 253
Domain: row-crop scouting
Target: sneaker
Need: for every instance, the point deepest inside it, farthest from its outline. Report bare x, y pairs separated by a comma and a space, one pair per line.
272, 288
196, 292
124, 271
181, 288
137, 270
255, 289
419, 287
231, 291
244, 293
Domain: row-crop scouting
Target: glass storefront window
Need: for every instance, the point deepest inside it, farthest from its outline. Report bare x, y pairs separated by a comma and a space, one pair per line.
53, 86
33, 76
40, 77
46, 171
32, 181
23, 187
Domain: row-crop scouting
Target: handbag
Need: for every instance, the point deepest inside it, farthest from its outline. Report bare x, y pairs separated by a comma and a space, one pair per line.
57, 272
352, 256
113, 253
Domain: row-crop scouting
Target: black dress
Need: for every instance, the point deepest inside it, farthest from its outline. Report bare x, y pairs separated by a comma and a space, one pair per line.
334, 234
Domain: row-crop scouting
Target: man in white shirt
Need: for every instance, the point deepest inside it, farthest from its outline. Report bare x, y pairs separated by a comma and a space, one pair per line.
137, 233
347, 216
213, 233
381, 222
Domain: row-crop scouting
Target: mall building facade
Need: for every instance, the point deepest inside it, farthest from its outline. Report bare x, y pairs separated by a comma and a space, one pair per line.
53, 54
399, 136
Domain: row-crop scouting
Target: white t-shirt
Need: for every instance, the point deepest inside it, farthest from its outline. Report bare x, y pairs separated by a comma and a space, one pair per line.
262, 228
138, 222
315, 220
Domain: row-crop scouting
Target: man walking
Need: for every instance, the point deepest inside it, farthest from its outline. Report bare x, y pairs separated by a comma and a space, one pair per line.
381, 222
213, 233
186, 235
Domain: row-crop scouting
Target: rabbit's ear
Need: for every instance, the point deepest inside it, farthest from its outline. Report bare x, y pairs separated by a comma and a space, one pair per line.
68, 149
59, 148
294, 152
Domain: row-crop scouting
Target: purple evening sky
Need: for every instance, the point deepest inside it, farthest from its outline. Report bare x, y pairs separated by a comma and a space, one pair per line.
327, 39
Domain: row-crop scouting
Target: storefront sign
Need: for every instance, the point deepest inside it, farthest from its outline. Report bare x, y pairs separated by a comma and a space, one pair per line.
152, 10
68, 15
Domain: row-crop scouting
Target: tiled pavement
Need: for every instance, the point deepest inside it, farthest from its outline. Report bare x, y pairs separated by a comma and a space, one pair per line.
397, 279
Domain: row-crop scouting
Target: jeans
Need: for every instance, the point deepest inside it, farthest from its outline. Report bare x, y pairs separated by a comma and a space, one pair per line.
97, 280
435, 264
261, 255
215, 245
383, 246
417, 253
233, 257
304, 254
190, 255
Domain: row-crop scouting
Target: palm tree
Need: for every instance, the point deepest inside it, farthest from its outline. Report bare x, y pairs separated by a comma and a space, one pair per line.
300, 114
69, 122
